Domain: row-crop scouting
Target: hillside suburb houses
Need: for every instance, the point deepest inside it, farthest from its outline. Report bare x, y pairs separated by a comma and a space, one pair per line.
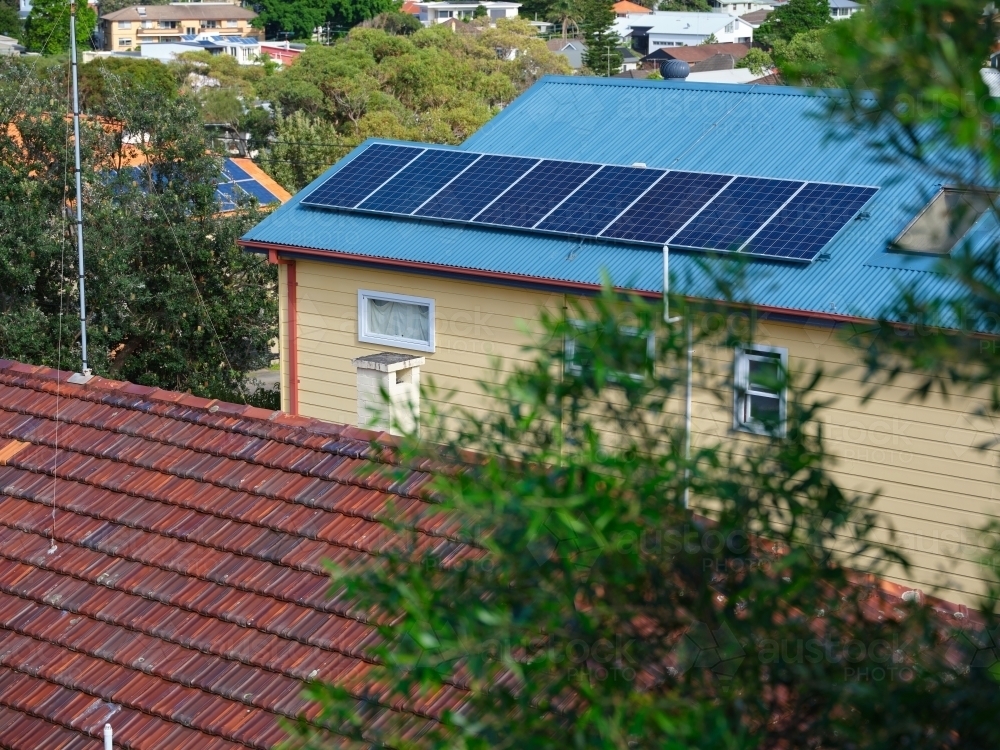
444, 297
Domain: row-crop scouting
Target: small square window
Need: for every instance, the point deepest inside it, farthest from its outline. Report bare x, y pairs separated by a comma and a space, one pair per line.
759, 391
124, 24
944, 221
124, 42
580, 355
396, 320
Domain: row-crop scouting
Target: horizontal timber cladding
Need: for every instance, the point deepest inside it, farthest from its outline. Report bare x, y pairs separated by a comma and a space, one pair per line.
936, 489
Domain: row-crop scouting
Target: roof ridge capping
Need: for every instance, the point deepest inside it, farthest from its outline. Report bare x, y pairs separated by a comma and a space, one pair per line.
98, 386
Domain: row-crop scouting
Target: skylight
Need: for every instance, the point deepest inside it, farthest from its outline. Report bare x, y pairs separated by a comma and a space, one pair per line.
944, 221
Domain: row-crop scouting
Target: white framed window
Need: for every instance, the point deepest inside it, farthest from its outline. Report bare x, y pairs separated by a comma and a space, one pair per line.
124, 24
579, 356
759, 390
232, 24
124, 42
396, 320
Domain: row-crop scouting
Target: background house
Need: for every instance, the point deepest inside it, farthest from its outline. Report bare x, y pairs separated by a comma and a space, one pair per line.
701, 58
130, 27
245, 49
647, 32
623, 7
572, 49
471, 293
740, 7
440, 12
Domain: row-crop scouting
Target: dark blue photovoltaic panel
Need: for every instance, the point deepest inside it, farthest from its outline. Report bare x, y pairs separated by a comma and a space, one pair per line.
735, 214
423, 177
600, 200
809, 221
538, 193
258, 191
365, 173
476, 187
233, 171
668, 204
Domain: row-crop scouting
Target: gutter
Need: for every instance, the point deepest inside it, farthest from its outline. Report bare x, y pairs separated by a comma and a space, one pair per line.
288, 253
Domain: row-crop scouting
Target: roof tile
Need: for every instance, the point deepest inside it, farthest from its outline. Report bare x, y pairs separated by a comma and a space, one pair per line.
185, 599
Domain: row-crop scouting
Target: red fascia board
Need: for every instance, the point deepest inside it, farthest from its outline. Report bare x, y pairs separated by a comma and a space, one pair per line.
274, 251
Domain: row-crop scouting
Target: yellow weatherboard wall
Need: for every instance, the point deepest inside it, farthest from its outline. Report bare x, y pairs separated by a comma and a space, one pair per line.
936, 489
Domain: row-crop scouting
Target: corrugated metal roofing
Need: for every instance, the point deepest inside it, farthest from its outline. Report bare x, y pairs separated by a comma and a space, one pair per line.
770, 131
184, 600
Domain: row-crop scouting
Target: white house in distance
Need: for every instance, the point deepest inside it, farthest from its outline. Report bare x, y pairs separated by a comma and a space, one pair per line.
441, 12
840, 9
650, 31
739, 7
246, 50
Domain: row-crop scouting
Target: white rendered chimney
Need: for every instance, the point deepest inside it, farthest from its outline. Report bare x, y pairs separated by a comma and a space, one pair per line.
389, 392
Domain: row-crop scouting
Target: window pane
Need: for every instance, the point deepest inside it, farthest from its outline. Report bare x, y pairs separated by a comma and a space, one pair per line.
765, 409
765, 374
399, 319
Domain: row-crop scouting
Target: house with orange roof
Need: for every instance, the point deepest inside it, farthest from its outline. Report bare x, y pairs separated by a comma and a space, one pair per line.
623, 7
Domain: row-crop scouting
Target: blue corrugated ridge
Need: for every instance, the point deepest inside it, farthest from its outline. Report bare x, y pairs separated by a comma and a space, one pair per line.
766, 131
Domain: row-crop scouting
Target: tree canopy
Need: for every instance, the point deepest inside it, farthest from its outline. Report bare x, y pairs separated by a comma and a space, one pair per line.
173, 302
596, 23
299, 18
10, 20
47, 27
792, 18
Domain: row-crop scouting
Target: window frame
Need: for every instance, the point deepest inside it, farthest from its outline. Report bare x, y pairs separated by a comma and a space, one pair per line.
124, 25
742, 389
364, 332
576, 370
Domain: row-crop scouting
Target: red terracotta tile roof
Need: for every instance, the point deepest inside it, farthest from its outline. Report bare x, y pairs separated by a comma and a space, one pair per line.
160, 563
697, 53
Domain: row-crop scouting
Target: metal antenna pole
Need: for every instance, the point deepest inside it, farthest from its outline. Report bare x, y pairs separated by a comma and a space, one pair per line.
79, 191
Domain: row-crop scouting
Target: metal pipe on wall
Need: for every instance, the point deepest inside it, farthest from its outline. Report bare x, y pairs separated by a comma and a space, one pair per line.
85, 370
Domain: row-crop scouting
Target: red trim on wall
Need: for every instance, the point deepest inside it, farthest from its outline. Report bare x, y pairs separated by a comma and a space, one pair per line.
291, 290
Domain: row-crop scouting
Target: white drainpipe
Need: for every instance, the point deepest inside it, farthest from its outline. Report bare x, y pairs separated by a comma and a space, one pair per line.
107, 737
687, 386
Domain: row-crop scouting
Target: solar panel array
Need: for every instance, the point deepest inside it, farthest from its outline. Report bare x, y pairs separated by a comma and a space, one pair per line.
234, 182
764, 217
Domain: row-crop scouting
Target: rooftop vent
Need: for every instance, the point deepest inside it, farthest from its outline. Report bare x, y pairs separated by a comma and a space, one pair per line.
675, 70
944, 221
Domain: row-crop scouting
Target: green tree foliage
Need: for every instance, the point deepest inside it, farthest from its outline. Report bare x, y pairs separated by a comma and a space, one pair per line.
172, 301
433, 85
793, 18
395, 23
10, 21
915, 92
596, 22
47, 27
803, 59
126, 77
302, 148
564, 13
300, 17
757, 61
695, 6
592, 609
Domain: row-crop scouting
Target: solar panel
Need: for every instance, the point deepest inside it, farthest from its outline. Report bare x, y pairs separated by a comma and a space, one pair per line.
537, 193
599, 200
418, 181
474, 189
735, 214
364, 174
809, 221
658, 214
763, 217
233, 171
258, 191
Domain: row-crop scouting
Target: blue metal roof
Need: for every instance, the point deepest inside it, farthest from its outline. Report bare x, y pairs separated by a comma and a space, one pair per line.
768, 131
